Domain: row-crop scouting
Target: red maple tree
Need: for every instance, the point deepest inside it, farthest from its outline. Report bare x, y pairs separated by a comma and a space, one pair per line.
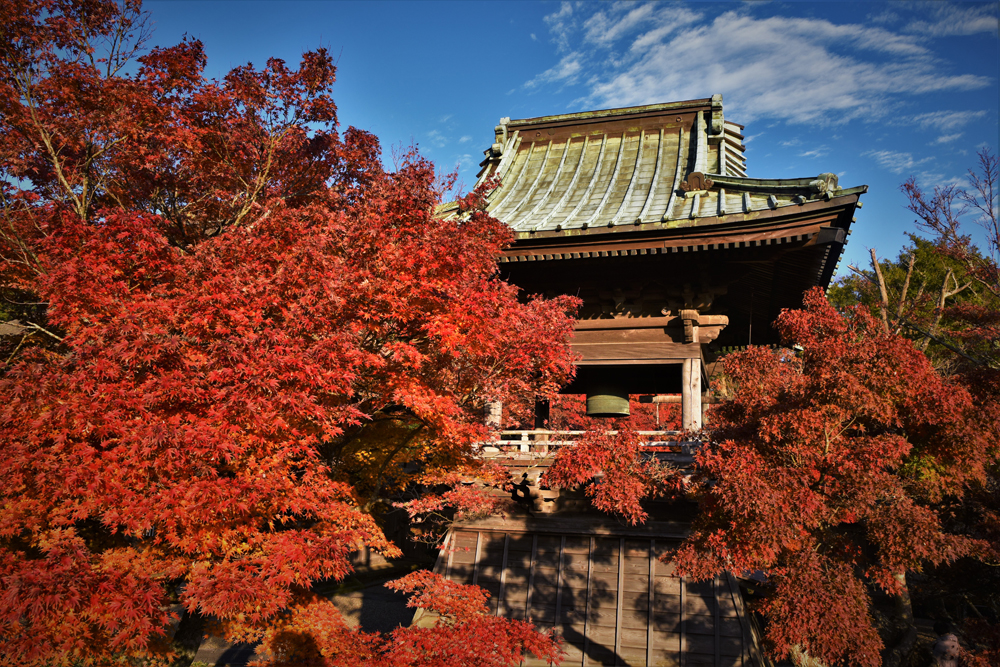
615, 471
824, 474
234, 328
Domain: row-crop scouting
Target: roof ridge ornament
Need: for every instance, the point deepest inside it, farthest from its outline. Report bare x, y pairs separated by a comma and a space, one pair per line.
718, 122
697, 182
825, 185
501, 130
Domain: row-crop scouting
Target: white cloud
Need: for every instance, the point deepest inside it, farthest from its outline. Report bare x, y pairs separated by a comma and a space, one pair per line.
561, 25
883, 17
565, 72
895, 161
964, 19
948, 138
930, 180
820, 151
534, 37
465, 139
804, 70
946, 120
602, 28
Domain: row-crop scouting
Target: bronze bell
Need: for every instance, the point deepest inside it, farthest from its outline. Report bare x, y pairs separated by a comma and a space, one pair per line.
607, 402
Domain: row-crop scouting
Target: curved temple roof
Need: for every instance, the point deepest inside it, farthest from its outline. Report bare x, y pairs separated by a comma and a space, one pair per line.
664, 164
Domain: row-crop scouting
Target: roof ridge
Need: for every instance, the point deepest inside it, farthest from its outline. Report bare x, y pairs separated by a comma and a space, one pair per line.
605, 113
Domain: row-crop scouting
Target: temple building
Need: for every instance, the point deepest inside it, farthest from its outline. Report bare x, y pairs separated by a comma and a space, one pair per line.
648, 215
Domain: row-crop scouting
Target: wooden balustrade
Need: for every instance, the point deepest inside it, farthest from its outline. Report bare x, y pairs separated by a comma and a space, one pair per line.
542, 442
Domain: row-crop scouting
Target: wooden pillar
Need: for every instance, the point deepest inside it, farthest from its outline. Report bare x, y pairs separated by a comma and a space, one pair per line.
493, 415
542, 422
691, 395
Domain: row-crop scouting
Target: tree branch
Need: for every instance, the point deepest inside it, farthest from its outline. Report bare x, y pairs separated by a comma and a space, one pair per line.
884, 306
32, 325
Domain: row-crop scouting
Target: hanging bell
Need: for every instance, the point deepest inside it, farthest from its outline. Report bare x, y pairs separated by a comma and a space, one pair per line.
608, 403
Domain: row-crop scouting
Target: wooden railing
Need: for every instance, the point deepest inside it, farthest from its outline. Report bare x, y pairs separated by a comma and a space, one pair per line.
542, 442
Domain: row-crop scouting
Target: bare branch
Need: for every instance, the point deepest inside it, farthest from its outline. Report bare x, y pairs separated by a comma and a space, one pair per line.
906, 288
32, 325
943, 295
983, 198
884, 305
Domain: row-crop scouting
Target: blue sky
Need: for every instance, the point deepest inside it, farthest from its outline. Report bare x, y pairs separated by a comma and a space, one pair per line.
874, 92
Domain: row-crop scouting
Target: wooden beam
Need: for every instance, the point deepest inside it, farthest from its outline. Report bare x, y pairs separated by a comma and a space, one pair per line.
674, 321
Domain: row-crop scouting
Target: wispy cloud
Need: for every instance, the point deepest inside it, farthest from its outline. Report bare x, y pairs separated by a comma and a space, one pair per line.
947, 138
465, 139
606, 27
945, 120
561, 25
436, 139
883, 17
565, 72
929, 180
957, 19
804, 70
895, 161
816, 152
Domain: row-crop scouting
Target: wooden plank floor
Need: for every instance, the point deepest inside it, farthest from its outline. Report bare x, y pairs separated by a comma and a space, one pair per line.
610, 598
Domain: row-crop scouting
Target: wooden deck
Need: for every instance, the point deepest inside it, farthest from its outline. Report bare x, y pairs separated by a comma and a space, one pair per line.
602, 587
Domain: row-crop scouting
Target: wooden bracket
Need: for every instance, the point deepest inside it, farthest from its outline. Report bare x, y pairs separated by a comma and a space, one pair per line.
690, 318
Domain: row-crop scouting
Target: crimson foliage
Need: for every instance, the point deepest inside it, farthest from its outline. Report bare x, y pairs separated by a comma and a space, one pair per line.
824, 473
234, 327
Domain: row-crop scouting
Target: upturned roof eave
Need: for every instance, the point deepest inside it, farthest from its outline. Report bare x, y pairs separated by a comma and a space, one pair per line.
757, 185
730, 222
